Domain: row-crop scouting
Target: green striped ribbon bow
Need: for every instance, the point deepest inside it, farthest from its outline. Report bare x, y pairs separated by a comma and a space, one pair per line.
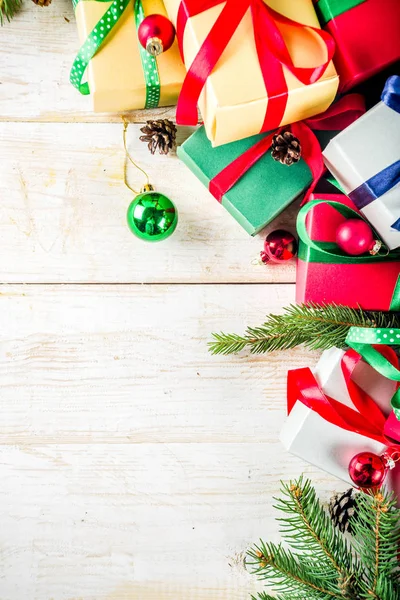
98, 37
329, 9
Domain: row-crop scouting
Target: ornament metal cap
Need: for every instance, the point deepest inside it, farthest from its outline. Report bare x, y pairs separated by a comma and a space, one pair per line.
154, 46
376, 247
146, 188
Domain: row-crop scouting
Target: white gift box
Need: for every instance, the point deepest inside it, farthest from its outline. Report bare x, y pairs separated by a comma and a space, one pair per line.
362, 150
328, 446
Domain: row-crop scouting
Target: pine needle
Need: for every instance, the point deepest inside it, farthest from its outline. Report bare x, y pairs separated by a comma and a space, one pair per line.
8, 8
320, 562
318, 327
377, 533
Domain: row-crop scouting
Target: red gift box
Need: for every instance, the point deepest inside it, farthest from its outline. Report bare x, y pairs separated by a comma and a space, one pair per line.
367, 36
325, 274
323, 222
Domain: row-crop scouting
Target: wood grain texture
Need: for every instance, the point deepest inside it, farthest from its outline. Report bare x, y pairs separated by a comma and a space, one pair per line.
135, 466
63, 214
95, 364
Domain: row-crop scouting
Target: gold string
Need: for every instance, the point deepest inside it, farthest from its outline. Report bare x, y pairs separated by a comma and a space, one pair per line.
129, 157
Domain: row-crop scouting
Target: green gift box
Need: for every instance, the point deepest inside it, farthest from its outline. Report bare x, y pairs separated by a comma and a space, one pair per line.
263, 191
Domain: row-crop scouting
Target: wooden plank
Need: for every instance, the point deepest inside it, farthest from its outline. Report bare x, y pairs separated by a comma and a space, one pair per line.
63, 214
133, 464
36, 54
137, 522
90, 364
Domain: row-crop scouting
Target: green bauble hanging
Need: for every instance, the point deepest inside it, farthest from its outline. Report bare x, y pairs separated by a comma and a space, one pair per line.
152, 216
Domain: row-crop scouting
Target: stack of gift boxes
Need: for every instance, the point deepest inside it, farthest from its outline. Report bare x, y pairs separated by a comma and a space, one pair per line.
255, 69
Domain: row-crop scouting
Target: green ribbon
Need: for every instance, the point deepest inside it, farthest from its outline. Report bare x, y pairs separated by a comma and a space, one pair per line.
329, 9
333, 181
149, 64
329, 252
95, 41
362, 340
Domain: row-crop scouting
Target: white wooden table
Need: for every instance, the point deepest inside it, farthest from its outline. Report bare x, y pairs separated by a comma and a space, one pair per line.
134, 466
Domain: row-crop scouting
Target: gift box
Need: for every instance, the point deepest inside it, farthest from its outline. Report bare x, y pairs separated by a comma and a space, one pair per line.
336, 421
263, 192
366, 33
323, 221
256, 68
365, 159
121, 74
243, 176
326, 274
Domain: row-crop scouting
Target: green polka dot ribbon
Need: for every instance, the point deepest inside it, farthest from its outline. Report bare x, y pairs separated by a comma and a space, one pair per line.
95, 41
363, 340
149, 64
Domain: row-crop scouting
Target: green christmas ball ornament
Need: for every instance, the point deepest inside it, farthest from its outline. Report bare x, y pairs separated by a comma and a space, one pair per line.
152, 216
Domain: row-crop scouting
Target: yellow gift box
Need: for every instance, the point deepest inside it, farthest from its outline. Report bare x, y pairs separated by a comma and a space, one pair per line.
234, 100
115, 74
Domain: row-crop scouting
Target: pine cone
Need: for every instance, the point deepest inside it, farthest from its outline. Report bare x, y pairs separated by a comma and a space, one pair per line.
160, 135
341, 510
42, 2
286, 148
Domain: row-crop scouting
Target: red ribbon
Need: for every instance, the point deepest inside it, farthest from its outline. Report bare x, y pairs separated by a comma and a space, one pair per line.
368, 420
337, 117
271, 48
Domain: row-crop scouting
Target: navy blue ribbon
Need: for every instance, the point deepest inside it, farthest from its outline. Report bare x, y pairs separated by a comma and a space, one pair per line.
389, 177
396, 225
377, 185
391, 93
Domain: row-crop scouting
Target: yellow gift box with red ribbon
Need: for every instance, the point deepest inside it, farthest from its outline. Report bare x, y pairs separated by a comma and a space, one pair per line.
253, 65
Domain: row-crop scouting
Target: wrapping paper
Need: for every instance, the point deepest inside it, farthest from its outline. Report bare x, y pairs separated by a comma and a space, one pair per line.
115, 73
263, 192
234, 100
323, 221
329, 447
365, 148
366, 34
369, 285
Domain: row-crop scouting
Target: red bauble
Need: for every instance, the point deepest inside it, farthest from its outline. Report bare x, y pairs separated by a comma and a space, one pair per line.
367, 470
156, 34
355, 237
279, 246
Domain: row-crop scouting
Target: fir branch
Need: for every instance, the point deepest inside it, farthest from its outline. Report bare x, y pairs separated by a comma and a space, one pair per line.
292, 574
329, 567
318, 327
310, 529
377, 533
8, 8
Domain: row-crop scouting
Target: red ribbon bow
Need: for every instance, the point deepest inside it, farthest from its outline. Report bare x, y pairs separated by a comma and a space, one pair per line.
368, 420
336, 117
271, 48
